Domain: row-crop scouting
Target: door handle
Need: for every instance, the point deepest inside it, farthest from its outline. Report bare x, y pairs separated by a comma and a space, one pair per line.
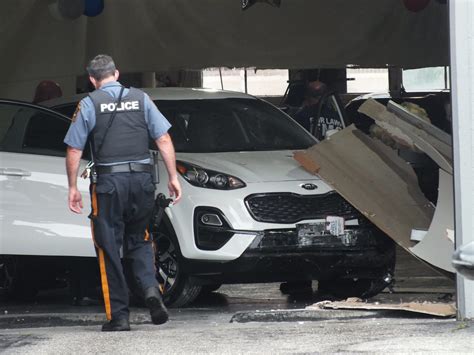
14, 172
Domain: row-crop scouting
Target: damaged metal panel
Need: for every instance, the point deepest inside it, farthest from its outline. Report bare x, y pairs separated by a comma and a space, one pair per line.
374, 180
408, 135
436, 248
416, 121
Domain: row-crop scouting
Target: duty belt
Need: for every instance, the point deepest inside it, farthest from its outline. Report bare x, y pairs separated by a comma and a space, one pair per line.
123, 168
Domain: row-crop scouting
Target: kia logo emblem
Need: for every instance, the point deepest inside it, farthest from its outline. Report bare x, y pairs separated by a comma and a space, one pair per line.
309, 186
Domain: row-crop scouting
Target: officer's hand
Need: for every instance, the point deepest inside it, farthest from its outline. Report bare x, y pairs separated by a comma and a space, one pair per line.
75, 200
175, 189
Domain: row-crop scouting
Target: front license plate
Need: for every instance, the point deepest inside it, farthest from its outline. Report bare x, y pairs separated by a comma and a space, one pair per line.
307, 230
335, 225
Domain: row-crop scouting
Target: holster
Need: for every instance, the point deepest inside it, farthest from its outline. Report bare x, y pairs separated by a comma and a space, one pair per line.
161, 202
93, 175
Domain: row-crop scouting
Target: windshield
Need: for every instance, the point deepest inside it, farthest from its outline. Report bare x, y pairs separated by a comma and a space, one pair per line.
229, 125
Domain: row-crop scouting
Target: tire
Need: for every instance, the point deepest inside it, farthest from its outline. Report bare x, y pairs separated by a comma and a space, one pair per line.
7, 273
210, 288
16, 283
364, 287
296, 287
177, 288
345, 288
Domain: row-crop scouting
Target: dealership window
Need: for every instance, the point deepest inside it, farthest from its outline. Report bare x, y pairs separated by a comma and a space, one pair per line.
426, 79
367, 80
259, 82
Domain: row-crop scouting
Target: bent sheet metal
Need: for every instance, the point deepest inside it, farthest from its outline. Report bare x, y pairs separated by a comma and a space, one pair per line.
436, 247
375, 180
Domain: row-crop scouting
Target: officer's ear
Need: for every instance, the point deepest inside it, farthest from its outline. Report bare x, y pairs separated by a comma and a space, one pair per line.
93, 81
116, 74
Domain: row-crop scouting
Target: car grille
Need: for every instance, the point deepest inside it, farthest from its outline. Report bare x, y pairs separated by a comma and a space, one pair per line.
292, 208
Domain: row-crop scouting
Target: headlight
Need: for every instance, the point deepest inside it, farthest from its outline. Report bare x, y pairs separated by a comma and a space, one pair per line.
209, 179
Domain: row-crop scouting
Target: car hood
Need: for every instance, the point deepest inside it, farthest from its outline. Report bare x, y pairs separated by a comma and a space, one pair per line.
252, 167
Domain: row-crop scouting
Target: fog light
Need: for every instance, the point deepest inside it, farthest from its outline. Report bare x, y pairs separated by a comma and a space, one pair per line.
211, 228
211, 220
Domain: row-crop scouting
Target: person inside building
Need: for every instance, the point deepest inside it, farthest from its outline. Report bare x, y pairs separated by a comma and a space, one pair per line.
47, 90
117, 121
317, 115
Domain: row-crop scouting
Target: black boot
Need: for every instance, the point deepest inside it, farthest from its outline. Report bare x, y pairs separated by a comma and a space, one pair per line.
153, 301
116, 325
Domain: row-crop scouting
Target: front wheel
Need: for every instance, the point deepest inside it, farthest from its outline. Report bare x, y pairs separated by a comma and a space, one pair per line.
210, 288
16, 281
177, 288
366, 287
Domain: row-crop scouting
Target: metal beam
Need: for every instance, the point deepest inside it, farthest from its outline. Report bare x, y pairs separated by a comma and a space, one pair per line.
461, 19
395, 81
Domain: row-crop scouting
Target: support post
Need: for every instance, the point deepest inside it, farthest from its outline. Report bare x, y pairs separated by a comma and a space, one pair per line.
461, 20
395, 81
148, 80
245, 81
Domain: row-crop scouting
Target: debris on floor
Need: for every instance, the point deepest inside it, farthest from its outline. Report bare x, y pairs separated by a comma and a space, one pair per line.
429, 308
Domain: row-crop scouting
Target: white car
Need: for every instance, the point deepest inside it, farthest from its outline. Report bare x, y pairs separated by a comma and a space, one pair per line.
249, 213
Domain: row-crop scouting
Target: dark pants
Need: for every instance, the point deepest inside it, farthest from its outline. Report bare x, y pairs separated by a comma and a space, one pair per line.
122, 204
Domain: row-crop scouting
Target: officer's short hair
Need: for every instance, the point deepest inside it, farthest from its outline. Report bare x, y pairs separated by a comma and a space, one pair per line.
101, 67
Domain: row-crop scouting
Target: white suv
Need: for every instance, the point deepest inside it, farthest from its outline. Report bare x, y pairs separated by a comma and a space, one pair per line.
249, 212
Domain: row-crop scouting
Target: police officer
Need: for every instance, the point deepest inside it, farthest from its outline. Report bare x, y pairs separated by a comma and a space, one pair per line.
118, 122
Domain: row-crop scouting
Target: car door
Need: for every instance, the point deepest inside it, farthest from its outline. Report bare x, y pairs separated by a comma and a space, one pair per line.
34, 215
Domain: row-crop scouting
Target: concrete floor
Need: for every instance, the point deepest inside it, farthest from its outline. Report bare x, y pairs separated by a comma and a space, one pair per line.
210, 325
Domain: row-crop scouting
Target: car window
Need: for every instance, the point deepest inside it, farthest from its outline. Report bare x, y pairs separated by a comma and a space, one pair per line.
28, 129
225, 125
7, 116
66, 109
45, 134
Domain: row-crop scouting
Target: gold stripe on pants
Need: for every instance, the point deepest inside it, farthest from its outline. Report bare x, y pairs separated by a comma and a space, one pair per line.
101, 256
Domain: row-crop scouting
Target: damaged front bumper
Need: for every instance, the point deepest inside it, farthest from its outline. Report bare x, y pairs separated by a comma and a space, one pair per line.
303, 237
288, 254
